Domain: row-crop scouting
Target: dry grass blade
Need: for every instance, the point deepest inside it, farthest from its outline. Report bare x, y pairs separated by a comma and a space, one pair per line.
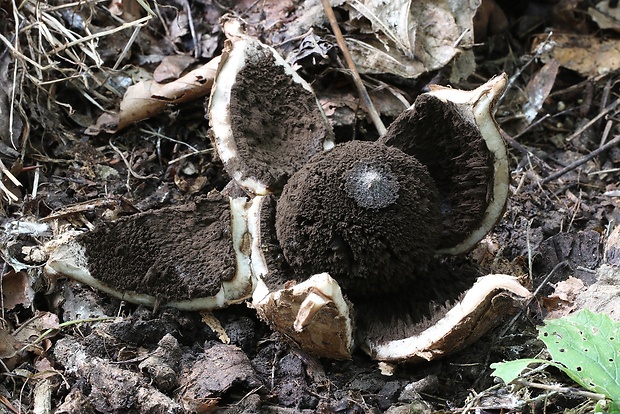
4, 171
50, 52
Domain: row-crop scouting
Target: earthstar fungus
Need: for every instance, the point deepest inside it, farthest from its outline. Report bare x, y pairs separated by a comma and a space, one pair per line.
365, 213
310, 231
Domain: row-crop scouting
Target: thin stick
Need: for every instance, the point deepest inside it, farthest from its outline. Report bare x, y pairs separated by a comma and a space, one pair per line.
582, 160
539, 51
607, 110
35, 181
128, 165
563, 390
374, 115
140, 22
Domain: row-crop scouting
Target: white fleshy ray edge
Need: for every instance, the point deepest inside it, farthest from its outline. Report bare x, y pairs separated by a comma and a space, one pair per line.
420, 345
482, 101
257, 257
320, 289
321, 324
69, 259
234, 58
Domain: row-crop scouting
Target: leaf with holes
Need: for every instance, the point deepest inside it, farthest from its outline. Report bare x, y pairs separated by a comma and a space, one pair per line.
587, 344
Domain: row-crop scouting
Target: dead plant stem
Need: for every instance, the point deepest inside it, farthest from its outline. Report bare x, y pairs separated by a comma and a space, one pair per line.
128, 164
563, 390
374, 115
140, 22
582, 160
601, 114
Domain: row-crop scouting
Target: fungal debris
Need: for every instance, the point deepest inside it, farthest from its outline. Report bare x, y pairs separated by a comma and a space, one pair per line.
333, 245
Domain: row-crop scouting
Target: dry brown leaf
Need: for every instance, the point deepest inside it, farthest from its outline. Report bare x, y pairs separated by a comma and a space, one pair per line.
16, 290
538, 88
179, 27
148, 98
413, 37
27, 335
490, 19
45, 369
216, 326
605, 16
586, 54
562, 301
392, 19
171, 67
8, 344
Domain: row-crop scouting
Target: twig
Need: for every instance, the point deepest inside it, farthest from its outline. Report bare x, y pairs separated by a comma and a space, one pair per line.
563, 390
140, 22
192, 30
130, 42
61, 326
128, 165
582, 160
182, 157
544, 46
374, 115
606, 132
536, 292
176, 141
2, 291
548, 277
35, 181
10, 176
19, 55
11, 197
607, 110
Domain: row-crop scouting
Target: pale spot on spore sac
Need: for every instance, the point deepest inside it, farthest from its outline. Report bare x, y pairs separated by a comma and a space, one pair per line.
371, 184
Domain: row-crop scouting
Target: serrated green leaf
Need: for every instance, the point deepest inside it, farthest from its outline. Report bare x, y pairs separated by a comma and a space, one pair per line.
508, 371
587, 344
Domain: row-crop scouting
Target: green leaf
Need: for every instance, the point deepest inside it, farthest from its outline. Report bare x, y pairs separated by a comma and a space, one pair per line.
587, 344
508, 371
607, 407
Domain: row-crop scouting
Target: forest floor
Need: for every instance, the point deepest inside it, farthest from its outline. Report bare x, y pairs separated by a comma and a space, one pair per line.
71, 349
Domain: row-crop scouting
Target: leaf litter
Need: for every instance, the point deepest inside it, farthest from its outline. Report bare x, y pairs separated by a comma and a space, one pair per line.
64, 65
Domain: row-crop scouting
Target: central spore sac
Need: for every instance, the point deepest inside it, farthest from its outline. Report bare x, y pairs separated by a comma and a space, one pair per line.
366, 213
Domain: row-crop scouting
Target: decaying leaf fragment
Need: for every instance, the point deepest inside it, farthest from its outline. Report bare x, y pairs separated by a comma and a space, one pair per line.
538, 89
149, 98
605, 16
413, 37
587, 54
